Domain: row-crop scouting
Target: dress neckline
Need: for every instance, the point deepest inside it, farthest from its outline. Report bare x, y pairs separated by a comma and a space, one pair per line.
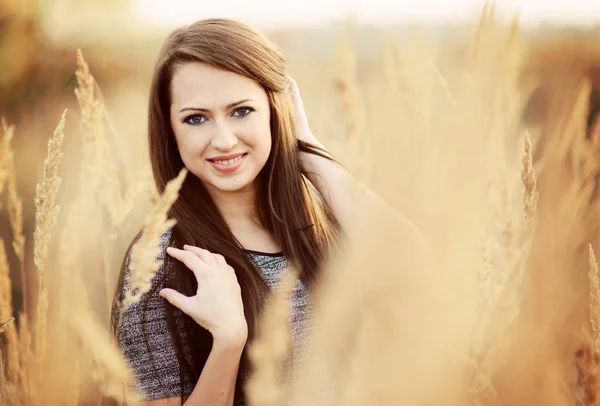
265, 254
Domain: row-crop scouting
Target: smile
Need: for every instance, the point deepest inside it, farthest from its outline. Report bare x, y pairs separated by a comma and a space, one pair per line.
227, 164
229, 161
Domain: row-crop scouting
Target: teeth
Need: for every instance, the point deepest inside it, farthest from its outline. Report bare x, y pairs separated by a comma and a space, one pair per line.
229, 161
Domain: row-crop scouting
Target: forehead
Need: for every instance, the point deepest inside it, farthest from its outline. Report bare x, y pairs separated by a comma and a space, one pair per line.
198, 84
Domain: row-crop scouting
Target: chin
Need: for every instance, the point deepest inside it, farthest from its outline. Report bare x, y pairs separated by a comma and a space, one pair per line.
229, 185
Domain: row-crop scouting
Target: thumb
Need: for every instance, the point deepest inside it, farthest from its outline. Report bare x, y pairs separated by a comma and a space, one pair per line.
178, 300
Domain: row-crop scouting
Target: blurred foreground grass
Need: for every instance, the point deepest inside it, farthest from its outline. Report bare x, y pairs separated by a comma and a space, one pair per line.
487, 139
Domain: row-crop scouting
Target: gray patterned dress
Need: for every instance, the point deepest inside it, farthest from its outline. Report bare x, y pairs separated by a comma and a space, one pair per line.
160, 379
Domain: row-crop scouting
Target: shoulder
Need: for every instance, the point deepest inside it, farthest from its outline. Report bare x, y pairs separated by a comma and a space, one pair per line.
164, 240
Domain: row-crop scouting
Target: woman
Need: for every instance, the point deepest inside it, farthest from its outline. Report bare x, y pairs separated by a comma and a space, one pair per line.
261, 193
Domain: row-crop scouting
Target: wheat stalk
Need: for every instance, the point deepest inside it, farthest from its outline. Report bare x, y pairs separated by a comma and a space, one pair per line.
151, 191
5, 152
268, 351
5, 285
99, 163
5, 309
6, 312
109, 370
15, 215
15, 211
45, 199
4, 384
531, 194
90, 172
46, 217
143, 265
594, 298
23, 391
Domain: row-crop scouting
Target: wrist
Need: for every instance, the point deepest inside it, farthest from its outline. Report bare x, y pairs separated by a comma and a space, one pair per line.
311, 161
230, 338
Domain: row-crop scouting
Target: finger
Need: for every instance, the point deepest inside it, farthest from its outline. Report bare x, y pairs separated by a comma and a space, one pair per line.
189, 259
295, 92
203, 254
299, 112
178, 300
220, 260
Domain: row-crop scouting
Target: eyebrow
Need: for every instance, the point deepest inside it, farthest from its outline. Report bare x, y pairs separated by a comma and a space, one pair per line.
230, 105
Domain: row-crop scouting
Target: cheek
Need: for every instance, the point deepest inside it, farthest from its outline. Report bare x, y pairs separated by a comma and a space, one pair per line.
261, 134
191, 142
260, 143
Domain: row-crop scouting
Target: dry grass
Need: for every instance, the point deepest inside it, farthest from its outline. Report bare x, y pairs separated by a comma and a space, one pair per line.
5, 153
503, 312
143, 265
272, 348
594, 300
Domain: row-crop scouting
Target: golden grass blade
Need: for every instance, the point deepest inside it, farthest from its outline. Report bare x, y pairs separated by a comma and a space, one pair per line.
109, 371
15, 212
5, 285
6, 312
5, 323
15, 215
531, 195
98, 158
267, 385
3, 382
143, 265
5, 152
25, 390
46, 195
46, 217
594, 299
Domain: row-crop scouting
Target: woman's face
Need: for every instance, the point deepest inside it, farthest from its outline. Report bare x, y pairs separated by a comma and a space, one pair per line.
221, 122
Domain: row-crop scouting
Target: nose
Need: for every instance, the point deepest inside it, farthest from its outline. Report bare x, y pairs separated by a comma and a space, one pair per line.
223, 138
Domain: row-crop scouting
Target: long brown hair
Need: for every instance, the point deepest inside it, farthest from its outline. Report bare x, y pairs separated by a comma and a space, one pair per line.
288, 206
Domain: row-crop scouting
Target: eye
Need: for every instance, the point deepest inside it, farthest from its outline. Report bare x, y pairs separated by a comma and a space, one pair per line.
194, 119
242, 111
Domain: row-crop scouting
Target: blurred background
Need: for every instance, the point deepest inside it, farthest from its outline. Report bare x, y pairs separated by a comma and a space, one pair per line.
120, 39
425, 100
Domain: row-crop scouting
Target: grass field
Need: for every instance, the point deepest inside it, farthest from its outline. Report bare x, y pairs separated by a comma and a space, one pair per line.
488, 141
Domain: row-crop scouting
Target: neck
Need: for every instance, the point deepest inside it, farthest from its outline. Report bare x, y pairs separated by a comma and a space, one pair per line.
237, 207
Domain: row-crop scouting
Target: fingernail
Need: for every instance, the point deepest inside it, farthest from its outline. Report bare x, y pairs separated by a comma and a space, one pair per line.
185, 246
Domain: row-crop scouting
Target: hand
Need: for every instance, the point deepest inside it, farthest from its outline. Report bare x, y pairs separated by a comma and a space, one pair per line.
303, 132
217, 305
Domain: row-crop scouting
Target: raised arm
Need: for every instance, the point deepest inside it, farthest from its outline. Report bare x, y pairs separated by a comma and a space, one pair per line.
350, 201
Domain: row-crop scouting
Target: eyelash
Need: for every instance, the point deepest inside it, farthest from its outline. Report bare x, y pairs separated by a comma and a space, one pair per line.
187, 119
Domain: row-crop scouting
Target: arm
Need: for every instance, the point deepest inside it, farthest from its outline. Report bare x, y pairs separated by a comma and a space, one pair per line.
217, 306
216, 385
145, 341
352, 203
368, 222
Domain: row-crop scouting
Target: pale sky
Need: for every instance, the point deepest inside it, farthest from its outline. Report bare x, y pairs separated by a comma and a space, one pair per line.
301, 12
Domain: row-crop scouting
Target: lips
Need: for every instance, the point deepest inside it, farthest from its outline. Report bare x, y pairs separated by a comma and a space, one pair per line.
229, 163
227, 159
